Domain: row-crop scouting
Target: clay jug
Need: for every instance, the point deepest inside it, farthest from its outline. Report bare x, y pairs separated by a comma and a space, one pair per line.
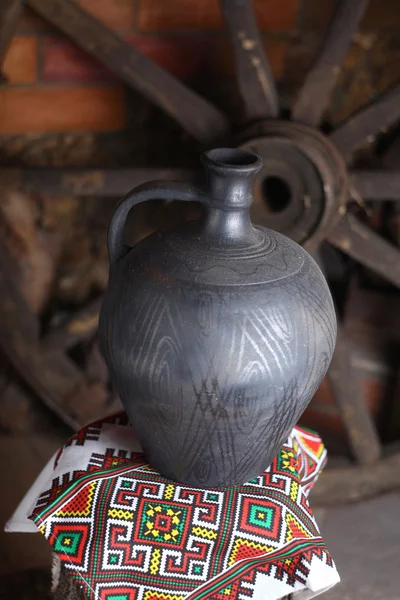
217, 333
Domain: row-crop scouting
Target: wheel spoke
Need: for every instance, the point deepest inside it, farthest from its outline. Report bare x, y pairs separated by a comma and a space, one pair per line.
315, 93
255, 81
89, 182
377, 185
366, 124
350, 401
364, 245
197, 116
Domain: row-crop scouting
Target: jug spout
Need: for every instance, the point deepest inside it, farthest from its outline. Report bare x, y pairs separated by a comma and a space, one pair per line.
229, 179
229, 176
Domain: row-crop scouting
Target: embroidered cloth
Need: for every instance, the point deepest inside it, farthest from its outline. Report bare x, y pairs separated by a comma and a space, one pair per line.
124, 532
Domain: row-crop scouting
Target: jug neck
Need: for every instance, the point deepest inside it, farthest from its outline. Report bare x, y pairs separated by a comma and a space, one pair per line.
229, 180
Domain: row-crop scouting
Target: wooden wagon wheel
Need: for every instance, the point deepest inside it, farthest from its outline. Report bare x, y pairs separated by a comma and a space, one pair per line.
307, 184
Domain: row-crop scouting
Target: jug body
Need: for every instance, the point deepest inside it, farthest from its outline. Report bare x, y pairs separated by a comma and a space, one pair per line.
217, 335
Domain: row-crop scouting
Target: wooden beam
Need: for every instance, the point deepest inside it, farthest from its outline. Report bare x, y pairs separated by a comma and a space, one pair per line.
90, 182
196, 115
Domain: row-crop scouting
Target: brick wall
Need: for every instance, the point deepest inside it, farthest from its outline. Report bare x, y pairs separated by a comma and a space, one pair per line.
54, 87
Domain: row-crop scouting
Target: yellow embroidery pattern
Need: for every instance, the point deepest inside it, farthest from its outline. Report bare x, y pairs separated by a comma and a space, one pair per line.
155, 561
126, 515
204, 533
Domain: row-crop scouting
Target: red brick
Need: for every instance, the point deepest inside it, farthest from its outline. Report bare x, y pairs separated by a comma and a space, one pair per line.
375, 392
323, 395
276, 14
323, 416
117, 14
321, 420
156, 15
183, 56
20, 64
48, 109
179, 14
65, 62
276, 53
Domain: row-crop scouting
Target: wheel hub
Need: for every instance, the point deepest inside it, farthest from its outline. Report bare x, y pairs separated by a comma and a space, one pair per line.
302, 188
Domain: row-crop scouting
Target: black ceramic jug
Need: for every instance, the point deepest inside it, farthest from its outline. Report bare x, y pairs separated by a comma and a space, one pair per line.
217, 333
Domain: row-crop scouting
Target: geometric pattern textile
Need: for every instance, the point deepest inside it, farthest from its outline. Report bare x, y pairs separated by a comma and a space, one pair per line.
124, 532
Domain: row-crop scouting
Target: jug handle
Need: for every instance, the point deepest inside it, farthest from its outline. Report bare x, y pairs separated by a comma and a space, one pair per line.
154, 190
